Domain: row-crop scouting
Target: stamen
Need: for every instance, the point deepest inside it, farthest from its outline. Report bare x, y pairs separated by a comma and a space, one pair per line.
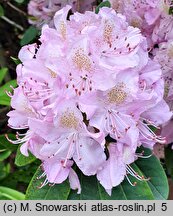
9, 94
83, 85
71, 145
135, 174
141, 155
81, 60
113, 122
12, 87
108, 30
69, 120
148, 134
19, 141
118, 94
63, 29
132, 184
44, 183
42, 175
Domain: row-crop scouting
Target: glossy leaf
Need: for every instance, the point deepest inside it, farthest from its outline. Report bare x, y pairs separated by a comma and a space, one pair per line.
102, 4
57, 192
155, 188
5, 99
22, 160
5, 144
169, 160
15, 60
92, 190
11, 194
4, 155
19, 1
21, 176
3, 72
4, 170
29, 35
152, 168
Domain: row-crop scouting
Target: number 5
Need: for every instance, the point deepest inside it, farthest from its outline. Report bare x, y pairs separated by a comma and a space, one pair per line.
164, 207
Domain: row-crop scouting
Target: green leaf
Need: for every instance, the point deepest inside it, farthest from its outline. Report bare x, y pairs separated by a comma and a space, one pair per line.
4, 170
22, 160
4, 155
29, 35
5, 144
122, 192
57, 192
169, 160
152, 168
5, 99
19, 178
11, 193
3, 72
15, 60
19, 1
155, 188
6, 87
1, 11
102, 4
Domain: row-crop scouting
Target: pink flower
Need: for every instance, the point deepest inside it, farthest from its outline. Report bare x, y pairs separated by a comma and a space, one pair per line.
88, 87
147, 15
117, 166
42, 11
114, 170
69, 138
163, 30
56, 173
164, 56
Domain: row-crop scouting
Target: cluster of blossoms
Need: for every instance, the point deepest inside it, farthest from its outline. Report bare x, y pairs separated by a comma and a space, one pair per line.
164, 55
155, 20
89, 94
150, 16
42, 11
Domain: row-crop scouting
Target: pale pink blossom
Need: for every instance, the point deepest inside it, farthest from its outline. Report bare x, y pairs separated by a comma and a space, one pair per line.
150, 16
42, 11
164, 55
90, 86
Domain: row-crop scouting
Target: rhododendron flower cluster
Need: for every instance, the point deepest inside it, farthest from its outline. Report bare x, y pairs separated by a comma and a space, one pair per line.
88, 94
155, 20
164, 55
42, 11
151, 16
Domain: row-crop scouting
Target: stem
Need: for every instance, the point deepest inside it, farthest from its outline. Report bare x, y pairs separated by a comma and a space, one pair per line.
17, 9
78, 5
12, 23
11, 193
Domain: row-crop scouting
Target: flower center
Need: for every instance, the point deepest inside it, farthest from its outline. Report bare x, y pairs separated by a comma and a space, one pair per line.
135, 22
117, 95
63, 29
81, 60
108, 29
69, 120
